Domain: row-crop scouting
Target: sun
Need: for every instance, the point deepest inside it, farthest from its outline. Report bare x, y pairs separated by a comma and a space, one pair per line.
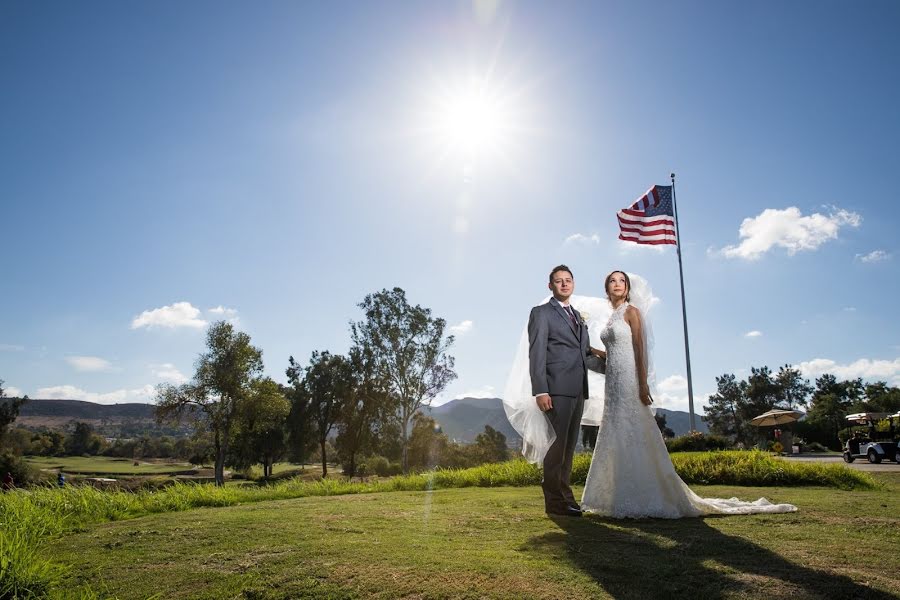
474, 120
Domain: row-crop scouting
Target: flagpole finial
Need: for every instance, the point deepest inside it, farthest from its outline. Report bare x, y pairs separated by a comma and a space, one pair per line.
672, 175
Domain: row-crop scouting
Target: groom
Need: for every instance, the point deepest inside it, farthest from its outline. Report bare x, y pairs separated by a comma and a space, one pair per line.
559, 356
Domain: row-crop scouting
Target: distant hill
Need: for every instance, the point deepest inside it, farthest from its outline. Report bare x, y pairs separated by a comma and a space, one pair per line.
461, 419
464, 418
79, 409
109, 420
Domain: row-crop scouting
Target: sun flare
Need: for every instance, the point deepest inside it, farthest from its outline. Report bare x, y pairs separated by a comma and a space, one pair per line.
474, 120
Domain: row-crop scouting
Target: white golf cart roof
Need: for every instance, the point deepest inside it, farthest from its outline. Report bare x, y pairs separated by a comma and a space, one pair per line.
867, 416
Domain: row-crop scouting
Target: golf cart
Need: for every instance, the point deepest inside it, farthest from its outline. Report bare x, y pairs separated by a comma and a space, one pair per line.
866, 442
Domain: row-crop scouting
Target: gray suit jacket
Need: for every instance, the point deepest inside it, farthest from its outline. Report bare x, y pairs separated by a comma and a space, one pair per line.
558, 353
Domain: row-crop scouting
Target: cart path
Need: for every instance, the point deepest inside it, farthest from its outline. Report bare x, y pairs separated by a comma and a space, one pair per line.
860, 464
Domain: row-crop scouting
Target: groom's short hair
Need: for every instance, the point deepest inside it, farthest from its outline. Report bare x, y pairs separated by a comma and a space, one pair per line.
560, 268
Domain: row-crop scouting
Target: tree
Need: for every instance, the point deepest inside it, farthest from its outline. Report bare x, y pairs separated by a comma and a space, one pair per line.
490, 446
792, 388
428, 445
365, 415
82, 440
222, 381
724, 408
325, 385
9, 411
299, 421
260, 426
831, 403
663, 428
879, 397
410, 351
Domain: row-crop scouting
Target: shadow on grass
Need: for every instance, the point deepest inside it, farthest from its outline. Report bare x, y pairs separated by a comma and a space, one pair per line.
658, 558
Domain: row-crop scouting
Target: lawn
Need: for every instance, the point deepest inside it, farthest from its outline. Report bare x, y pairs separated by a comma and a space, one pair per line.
495, 542
105, 465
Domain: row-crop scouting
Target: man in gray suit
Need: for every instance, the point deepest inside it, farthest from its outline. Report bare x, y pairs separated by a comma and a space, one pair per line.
559, 356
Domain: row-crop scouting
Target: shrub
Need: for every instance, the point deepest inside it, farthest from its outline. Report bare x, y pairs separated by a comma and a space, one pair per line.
814, 447
376, 465
23, 474
697, 442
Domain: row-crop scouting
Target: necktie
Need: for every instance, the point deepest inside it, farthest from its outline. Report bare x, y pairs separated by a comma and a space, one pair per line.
572, 318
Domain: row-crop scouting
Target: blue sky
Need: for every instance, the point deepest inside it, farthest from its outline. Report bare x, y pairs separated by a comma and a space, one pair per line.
166, 165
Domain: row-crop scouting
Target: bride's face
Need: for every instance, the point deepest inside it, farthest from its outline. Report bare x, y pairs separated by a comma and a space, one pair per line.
617, 287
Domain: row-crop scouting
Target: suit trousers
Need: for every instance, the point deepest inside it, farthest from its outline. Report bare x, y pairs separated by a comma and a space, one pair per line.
565, 416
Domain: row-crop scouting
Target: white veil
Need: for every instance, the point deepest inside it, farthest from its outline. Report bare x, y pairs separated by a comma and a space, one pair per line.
518, 402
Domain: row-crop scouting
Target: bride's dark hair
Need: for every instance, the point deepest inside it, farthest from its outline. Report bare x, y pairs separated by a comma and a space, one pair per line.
627, 285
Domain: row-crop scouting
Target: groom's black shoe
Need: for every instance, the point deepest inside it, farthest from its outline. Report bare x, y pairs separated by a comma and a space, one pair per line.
565, 511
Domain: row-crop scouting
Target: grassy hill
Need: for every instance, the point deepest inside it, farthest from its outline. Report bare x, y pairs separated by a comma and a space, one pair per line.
493, 543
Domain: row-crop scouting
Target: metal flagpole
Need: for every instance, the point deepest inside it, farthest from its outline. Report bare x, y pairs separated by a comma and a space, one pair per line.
687, 349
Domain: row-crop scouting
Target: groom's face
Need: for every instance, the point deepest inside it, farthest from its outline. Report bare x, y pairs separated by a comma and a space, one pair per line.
562, 285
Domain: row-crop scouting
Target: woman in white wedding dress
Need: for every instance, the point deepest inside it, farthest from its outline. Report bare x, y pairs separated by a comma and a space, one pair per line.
631, 474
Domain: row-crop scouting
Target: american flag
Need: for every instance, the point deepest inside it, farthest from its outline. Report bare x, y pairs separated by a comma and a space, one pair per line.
650, 220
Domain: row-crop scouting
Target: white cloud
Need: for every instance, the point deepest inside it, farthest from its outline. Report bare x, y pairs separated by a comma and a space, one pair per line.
868, 369
753, 334
11, 348
486, 391
168, 372
672, 394
873, 256
788, 229
578, 238
180, 314
672, 383
626, 248
12, 392
145, 394
229, 314
461, 328
849, 309
89, 364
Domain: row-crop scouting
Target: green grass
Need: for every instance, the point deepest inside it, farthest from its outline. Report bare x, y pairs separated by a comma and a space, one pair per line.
30, 517
104, 465
496, 543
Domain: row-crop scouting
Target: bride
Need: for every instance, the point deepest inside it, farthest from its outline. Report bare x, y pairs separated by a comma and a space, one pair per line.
631, 474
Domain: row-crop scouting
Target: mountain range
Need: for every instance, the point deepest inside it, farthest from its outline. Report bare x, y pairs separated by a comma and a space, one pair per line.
461, 419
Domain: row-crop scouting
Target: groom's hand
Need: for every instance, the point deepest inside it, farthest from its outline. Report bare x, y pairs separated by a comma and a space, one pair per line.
544, 403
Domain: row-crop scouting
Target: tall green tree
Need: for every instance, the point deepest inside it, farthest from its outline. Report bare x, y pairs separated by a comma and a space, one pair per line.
300, 429
83, 440
793, 390
831, 403
411, 351
490, 446
261, 436
222, 381
9, 411
428, 445
365, 410
724, 412
326, 387
880, 397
